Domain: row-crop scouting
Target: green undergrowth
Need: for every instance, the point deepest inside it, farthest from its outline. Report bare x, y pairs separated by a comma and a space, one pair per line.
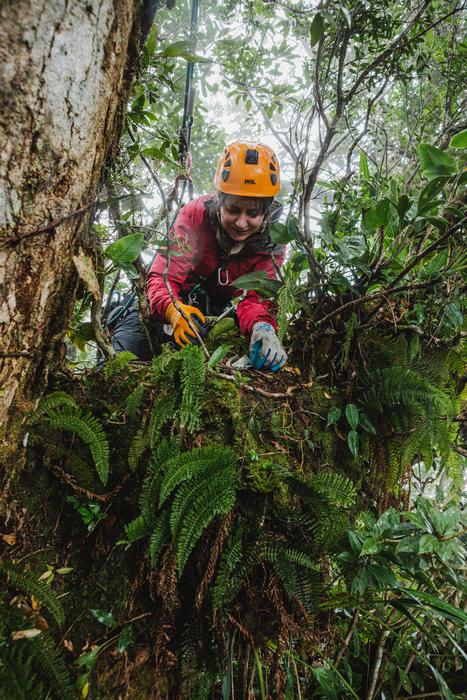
183, 503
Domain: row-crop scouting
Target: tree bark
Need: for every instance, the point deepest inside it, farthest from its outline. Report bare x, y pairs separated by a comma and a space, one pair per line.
66, 70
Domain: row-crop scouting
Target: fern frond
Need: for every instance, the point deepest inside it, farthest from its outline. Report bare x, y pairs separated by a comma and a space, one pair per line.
91, 432
159, 537
149, 496
192, 376
163, 451
18, 681
133, 401
183, 467
236, 562
50, 402
336, 488
275, 551
137, 448
117, 363
27, 583
163, 411
299, 575
287, 305
197, 502
136, 529
52, 665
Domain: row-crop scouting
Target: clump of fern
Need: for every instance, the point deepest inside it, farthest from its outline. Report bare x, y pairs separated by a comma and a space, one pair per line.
410, 395
60, 412
192, 378
31, 663
181, 495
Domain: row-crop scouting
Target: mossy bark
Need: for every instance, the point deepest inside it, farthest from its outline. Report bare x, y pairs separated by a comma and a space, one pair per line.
66, 75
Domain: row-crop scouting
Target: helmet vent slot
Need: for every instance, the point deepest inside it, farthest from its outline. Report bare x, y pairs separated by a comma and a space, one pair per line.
251, 157
225, 175
273, 177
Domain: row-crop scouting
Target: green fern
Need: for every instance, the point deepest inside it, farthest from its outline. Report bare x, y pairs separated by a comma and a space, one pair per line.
18, 680
287, 305
52, 401
192, 377
51, 664
27, 583
162, 412
137, 448
149, 496
133, 401
89, 429
237, 560
160, 535
336, 488
181, 468
119, 362
196, 503
136, 529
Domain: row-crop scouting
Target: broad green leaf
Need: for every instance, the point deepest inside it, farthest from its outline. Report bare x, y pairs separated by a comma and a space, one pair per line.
316, 29
429, 193
372, 545
377, 216
403, 206
438, 222
125, 250
104, 616
151, 40
333, 416
217, 355
280, 234
178, 48
454, 316
435, 163
366, 423
459, 140
427, 544
443, 686
258, 281
352, 442
351, 413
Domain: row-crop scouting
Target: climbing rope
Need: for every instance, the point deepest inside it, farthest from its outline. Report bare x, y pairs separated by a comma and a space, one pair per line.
185, 160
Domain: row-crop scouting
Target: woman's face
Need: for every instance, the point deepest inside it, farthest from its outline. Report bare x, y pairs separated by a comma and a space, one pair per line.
241, 217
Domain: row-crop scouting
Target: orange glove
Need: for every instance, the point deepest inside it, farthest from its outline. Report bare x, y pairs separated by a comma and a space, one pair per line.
178, 323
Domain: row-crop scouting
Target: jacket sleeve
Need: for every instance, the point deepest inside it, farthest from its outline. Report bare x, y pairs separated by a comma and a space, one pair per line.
252, 308
184, 252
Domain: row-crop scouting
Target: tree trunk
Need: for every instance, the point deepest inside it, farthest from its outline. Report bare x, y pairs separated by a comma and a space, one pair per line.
65, 77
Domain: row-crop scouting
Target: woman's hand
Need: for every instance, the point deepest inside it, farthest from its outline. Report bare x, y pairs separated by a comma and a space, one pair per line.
183, 334
265, 350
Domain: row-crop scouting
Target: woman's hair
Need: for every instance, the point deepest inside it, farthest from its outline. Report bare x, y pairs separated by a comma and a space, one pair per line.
263, 203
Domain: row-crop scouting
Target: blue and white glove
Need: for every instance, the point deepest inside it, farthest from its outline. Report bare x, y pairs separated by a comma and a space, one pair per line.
265, 350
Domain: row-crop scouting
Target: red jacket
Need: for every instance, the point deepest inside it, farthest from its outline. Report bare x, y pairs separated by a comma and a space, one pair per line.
196, 255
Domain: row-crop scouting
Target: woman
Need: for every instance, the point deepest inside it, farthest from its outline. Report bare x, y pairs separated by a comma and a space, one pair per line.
217, 239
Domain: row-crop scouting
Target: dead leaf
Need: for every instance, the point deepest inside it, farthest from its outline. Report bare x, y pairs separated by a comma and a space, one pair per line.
87, 273
42, 623
9, 539
46, 575
68, 644
25, 634
35, 603
327, 395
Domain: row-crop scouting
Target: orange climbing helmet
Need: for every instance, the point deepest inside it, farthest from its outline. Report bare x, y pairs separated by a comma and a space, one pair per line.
248, 169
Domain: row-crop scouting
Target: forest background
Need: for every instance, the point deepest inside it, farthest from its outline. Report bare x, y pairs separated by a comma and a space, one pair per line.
180, 529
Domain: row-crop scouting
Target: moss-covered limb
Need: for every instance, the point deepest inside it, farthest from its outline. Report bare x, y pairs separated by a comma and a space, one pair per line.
293, 500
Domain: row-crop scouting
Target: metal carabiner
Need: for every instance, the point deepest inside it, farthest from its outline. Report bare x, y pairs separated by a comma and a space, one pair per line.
223, 280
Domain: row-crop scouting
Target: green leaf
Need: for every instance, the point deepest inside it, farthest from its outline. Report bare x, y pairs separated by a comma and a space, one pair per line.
125, 639
351, 413
316, 29
333, 416
439, 223
435, 163
443, 686
258, 281
429, 193
125, 250
104, 616
454, 316
459, 140
377, 216
427, 544
437, 604
151, 40
352, 442
372, 545
280, 234
364, 169
178, 48
217, 355
366, 423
